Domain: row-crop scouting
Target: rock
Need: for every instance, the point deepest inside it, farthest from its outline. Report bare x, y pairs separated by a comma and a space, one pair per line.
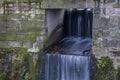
113, 49
108, 42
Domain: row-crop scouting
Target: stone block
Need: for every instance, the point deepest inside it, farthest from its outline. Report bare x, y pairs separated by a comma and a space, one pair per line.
96, 21
2, 36
114, 50
104, 23
113, 22
98, 52
108, 42
114, 33
101, 33
119, 22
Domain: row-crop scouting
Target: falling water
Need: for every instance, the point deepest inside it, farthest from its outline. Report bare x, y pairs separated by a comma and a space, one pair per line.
78, 23
73, 63
66, 67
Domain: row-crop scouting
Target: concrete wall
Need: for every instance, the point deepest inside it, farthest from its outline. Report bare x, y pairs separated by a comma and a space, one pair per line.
67, 3
54, 17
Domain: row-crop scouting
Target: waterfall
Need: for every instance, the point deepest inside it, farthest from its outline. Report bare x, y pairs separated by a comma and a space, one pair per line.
66, 67
77, 30
78, 23
74, 62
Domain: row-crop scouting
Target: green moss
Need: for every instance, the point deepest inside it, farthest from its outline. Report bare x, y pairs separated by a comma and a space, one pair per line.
41, 9
32, 36
2, 36
11, 36
8, 1
40, 15
21, 38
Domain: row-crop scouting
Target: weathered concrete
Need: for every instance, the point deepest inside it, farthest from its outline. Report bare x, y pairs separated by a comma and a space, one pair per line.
54, 17
54, 21
67, 3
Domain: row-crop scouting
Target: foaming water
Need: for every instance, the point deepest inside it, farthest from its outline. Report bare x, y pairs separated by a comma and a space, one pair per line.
76, 44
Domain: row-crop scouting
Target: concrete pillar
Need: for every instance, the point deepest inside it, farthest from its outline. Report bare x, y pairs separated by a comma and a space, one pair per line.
53, 22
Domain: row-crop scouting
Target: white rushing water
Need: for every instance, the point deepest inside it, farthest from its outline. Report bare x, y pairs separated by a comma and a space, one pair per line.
66, 67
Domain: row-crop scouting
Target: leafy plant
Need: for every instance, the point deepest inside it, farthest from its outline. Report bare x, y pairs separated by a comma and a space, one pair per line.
32, 36
104, 69
25, 74
16, 64
23, 53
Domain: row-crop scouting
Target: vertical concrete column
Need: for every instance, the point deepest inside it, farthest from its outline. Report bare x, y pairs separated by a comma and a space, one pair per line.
53, 22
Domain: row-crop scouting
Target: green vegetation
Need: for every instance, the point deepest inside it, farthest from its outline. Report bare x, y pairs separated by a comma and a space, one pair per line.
118, 74
21, 30
23, 53
32, 36
104, 69
16, 64
94, 40
32, 68
2, 76
25, 74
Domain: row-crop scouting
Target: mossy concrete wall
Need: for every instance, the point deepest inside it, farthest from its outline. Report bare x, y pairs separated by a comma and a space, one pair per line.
22, 28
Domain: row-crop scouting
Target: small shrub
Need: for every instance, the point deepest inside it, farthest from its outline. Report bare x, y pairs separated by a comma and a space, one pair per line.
104, 69
16, 64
